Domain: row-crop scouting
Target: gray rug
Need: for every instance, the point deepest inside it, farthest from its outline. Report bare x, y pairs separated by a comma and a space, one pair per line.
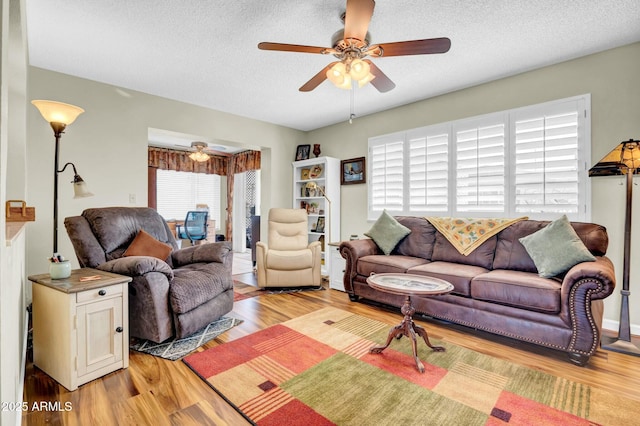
174, 349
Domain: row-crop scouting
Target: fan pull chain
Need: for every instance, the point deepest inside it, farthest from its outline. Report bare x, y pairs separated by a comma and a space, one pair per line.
352, 114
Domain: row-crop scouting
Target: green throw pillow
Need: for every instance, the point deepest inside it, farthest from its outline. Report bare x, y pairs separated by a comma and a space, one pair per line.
556, 248
387, 232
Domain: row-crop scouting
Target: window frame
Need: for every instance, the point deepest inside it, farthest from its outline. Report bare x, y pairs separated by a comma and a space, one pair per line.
507, 118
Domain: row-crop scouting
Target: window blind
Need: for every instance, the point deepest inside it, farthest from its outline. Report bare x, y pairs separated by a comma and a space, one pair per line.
179, 192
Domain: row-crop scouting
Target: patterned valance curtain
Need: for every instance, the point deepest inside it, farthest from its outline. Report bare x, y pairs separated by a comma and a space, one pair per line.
245, 161
171, 159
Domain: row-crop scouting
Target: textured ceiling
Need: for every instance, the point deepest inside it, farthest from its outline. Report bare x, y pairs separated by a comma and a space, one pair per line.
205, 52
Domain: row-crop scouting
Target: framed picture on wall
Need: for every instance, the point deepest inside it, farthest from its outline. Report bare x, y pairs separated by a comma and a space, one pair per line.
302, 152
353, 171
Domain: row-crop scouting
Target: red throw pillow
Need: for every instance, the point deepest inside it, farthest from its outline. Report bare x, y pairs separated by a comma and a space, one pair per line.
145, 245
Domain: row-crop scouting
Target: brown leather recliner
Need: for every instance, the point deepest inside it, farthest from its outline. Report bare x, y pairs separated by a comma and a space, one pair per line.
174, 297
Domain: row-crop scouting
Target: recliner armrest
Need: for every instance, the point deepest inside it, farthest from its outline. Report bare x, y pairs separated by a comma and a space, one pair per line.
134, 266
204, 253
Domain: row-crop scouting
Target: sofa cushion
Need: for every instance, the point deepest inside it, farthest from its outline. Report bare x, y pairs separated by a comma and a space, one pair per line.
482, 256
387, 264
145, 245
458, 275
387, 232
419, 243
524, 290
556, 248
511, 254
289, 260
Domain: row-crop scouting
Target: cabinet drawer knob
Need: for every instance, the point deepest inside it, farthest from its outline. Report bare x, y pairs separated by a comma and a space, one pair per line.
102, 292
119, 330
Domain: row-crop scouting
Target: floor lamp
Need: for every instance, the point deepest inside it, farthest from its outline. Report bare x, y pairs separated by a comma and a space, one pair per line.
623, 160
59, 115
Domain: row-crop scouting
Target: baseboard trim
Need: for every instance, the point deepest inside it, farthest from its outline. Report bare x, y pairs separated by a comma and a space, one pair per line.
615, 326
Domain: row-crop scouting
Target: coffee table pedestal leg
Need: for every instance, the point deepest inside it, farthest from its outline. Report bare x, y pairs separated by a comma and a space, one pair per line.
408, 328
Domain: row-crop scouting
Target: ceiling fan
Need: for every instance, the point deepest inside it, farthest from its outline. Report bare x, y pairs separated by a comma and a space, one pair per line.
351, 45
201, 152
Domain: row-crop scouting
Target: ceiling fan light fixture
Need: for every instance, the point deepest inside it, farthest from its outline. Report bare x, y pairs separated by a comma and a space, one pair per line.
359, 69
199, 155
339, 76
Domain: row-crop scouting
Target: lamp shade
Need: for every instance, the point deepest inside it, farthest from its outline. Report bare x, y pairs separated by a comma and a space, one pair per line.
80, 189
58, 112
622, 159
359, 69
338, 75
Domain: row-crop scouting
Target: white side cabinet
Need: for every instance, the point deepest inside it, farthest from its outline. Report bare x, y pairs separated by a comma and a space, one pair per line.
322, 202
338, 266
80, 325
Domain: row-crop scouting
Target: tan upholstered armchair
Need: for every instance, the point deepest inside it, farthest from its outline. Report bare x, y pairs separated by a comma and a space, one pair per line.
288, 260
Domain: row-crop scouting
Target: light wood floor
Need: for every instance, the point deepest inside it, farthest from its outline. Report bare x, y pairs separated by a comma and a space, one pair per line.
153, 391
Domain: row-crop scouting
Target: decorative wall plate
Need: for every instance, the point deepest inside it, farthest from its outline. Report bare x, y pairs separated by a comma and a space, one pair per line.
316, 171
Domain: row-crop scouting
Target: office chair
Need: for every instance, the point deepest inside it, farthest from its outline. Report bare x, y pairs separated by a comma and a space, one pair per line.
194, 227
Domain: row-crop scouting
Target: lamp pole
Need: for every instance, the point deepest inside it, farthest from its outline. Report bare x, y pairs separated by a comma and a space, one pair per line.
623, 342
58, 129
623, 159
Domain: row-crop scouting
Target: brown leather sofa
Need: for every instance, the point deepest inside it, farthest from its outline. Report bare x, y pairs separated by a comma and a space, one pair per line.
496, 287
173, 297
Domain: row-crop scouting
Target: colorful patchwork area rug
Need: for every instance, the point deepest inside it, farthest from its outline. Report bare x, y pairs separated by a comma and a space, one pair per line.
317, 370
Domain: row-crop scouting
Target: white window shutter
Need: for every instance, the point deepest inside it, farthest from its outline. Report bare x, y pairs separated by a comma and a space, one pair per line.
480, 168
428, 172
386, 166
547, 163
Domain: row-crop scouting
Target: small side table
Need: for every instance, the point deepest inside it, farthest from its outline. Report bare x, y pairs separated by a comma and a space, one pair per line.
80, 325
409, 285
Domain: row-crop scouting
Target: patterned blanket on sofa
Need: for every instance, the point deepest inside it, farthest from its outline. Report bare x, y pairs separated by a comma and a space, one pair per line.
466, 234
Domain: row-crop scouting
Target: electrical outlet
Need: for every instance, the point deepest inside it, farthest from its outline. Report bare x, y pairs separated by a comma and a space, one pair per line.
132, 198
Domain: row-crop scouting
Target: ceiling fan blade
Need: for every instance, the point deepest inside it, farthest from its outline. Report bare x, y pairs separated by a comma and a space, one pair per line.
357, 18
283, 47
413, 47
316, 79
381, 82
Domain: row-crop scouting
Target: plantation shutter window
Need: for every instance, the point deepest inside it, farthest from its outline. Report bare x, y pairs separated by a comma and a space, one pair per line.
547, 163
530, 161
480, 169
429, 173
386, 176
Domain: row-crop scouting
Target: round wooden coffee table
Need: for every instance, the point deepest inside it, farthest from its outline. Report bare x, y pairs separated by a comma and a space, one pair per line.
409, 285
